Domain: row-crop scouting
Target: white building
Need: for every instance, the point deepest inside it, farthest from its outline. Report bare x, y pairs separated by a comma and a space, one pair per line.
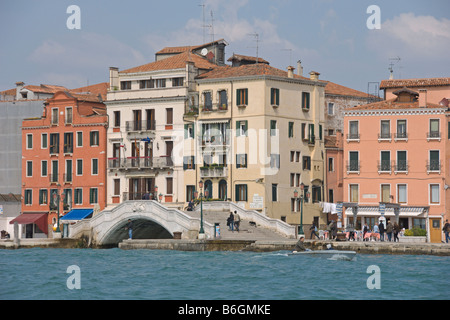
145, 106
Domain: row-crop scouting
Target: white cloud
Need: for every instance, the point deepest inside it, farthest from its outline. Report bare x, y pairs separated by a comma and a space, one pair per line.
411, 36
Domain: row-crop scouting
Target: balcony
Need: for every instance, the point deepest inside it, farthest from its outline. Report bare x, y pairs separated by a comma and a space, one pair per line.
400, 136
384, 166
140, 163
434, 135
190, 110
353, 166
384, 137
68, 178
138, 196
213, 172
140, 126
53, 178
214, 107
312, 141
353, 137
401, 166
434, 166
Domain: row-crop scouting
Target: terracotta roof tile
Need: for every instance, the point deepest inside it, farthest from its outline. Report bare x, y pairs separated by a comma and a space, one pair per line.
176, 62
392, 104
99, 88
336, 89
240, 57
181, 49
425, 82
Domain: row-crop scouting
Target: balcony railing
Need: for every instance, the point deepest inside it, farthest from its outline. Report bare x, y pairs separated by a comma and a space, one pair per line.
140, 163
191, 110
384, 136
213, 172
53, 178
214, 107
401, 166
400, 136
68, 177
138, 196
384, 166
353, 166
353, 137
145, 125
433, 135
434, 166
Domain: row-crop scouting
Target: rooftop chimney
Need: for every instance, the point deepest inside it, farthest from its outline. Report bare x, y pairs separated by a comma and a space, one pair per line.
290, 72
299, 68
313, 75
19, 86
113, 78
422, 98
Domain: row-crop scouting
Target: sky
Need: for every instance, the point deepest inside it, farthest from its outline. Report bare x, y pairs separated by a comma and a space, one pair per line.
331, 37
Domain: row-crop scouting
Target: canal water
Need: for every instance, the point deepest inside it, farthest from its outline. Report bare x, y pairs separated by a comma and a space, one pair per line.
177, 275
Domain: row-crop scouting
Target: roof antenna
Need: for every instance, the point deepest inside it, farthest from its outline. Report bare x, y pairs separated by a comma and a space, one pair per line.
204, 26
391, 67
290, 55
257, 44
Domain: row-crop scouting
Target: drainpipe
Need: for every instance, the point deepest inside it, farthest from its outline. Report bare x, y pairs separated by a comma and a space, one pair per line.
231, 142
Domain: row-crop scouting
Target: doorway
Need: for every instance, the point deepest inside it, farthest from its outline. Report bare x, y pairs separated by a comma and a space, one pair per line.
222, 190
435, 230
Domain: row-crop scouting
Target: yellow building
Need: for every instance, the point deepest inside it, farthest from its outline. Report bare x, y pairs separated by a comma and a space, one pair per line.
254, 135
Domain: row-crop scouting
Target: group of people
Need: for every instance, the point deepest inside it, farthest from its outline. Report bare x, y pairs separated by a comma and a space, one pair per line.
233, 221
391, 229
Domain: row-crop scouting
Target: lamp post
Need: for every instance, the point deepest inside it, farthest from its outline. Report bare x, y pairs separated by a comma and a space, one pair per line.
302, 187
201, 232
58, 198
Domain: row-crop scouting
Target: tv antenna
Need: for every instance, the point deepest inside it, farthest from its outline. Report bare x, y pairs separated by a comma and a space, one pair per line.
257, 44
391, 66
204, 26
290, 55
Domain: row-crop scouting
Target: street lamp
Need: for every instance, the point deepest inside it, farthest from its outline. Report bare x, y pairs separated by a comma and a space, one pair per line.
302, 187
57, 198
201, 233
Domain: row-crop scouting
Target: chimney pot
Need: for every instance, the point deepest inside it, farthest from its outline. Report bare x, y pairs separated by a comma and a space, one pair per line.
422, 98
291, 72
299, 68
313, 75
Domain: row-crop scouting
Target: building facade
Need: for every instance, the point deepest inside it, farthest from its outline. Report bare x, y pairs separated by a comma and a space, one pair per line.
395, 152
63, 160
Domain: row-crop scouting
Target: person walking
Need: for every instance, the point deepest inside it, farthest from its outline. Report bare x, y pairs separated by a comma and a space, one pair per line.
396, 231
389, 230
446, 230
376, 229
382, 230
313, 230
365, 230
237, 220
129, 227
230, 222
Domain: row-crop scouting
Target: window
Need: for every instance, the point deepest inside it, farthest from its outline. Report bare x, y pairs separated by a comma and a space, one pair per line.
305, 101
354, 130
79, 139
241, 128
274, 192
146, 84
44, 141
177, 82
28, 195
189, 131
29, 168
43, 196
354, 193
117, 119
160, 83
316, 194
273, 128
125, 85
385, 132
207, 100
190, 190
189, 162
94, 138
275, 161
242, 97
54, 119
306, 163
297, 156
68, 142
116, 187
401, 193
274, 97
292, 179
401, 129
169, 185
320, 132
295, 204
330, 108
78, 196
94, 167
434, 194
434, 129
330, 164
68, 174
55, 171
69, 115
353, 165
434, 163
385, 163
54, 143
79, 167
93, 195
241, 192
385, 193
241, 161
169, 116
44, 168
223, 100
291, 130
330, 195
29, 141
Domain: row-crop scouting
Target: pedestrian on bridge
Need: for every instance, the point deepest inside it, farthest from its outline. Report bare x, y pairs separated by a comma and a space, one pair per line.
237, 220
230, 222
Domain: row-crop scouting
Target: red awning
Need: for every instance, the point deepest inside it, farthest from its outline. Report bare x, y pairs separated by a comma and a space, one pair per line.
40, 219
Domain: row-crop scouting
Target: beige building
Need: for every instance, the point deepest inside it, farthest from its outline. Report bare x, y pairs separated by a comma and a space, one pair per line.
255, 136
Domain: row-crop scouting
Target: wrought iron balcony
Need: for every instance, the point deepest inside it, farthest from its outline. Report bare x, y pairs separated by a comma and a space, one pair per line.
145, 125
213, 172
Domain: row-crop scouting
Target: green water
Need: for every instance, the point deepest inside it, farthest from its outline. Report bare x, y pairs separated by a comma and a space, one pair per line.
175, 275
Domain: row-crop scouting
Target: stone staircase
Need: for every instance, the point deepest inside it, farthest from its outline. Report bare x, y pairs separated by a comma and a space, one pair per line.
247, 231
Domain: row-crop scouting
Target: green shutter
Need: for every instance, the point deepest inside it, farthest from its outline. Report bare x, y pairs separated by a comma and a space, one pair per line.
320, 132
278, 97
238, 96
246, 96
185, 131
238, 129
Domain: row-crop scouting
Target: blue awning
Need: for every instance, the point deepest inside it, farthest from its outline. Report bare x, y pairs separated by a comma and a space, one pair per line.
77, 215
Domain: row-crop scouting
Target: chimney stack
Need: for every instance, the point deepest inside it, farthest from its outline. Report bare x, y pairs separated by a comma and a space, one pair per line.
291, 72
19, 86
114, 79
422, 98
299, 68
313, 75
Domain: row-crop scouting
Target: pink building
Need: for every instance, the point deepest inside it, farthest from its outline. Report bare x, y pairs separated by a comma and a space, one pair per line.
395, 152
